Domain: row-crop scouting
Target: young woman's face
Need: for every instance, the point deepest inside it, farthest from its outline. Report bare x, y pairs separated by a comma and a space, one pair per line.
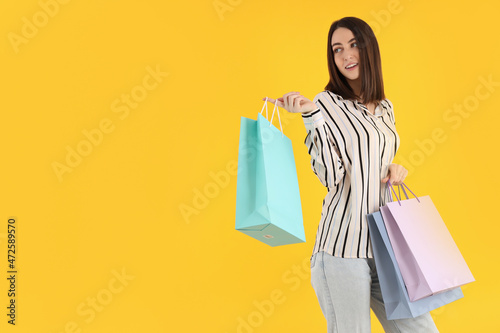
346, 53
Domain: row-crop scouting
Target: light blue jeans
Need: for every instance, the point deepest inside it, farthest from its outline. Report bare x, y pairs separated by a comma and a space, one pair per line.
347, 288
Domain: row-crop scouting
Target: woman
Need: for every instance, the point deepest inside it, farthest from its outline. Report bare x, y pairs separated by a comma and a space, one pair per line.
352, 140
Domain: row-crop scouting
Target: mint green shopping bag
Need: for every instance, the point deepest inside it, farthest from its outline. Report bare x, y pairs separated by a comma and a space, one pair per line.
268, 206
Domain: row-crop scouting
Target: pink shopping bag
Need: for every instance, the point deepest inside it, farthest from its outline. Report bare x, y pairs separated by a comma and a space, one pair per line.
429, 260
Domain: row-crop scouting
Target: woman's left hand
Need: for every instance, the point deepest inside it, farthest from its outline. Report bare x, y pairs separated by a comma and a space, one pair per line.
397, 174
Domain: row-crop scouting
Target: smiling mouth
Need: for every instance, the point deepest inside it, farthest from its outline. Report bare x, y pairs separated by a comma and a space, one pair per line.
351, 66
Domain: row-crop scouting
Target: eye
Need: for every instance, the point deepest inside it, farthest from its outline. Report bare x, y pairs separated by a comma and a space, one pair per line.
354, 44
337, 50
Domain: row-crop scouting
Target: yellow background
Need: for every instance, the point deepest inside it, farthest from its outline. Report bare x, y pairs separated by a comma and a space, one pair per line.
119, 210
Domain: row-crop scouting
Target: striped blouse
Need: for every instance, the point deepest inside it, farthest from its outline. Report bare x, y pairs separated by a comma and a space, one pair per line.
351, 150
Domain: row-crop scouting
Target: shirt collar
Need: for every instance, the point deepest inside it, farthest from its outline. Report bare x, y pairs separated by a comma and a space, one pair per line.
380, 109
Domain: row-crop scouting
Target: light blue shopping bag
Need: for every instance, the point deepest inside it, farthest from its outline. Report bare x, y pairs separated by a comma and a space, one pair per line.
268, 206
396, 300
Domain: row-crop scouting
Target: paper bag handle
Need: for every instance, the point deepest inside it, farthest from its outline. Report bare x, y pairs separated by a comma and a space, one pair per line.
272, 116
403, 185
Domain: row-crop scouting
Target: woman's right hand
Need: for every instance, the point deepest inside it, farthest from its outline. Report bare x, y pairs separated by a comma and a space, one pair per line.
294, 102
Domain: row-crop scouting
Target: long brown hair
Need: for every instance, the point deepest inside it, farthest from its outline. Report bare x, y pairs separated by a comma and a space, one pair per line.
370, 70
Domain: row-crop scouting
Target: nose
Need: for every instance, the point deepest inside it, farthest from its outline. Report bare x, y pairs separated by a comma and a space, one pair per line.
347, 55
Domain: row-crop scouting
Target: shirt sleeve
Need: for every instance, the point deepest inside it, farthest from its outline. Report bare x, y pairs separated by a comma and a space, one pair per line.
325, 159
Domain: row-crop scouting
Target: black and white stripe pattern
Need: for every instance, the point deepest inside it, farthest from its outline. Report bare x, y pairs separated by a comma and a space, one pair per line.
351, 150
